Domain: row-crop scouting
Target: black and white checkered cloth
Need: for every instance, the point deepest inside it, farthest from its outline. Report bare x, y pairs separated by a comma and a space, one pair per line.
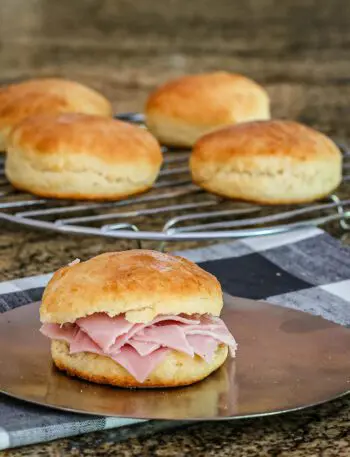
307, 270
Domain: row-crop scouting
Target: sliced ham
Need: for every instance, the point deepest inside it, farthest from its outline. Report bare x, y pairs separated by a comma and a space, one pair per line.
204, 346
111, 333
123, 339
139, 348
64, 332
83, 343
170, 336
139, 367
104, 329
137, 329
142, 347
221, 336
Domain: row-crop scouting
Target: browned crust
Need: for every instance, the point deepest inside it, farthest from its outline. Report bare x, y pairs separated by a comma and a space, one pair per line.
79, 97
14, 109
271, 138
73, 134
206, 99
141, 283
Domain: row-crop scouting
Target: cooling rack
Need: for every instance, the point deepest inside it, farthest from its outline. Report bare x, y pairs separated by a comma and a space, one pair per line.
174, 210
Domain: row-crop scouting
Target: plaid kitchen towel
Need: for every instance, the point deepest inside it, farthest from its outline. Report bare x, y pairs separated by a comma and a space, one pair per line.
307, 270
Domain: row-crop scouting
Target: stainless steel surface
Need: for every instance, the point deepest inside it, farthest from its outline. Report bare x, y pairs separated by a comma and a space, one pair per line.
286, 360
186, 212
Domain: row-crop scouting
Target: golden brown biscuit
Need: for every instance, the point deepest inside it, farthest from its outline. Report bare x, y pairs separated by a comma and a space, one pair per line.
80, 156
139, 283
47, 96
183, 110
273, 162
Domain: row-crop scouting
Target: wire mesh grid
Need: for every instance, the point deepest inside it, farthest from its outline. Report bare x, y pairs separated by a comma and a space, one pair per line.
174, 210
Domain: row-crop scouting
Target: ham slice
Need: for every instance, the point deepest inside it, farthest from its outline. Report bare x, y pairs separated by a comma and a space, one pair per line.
221, 336
123, 339
204, 346
64, 332
139, 367
83, 343
140, 348
78, 340
111, 333
104, 329
137, 328
171, 336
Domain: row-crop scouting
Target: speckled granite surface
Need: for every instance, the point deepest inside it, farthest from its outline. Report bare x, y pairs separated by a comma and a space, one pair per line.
322, 431
297, 48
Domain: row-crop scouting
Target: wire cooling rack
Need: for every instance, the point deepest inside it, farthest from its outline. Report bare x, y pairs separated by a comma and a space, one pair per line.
174, 210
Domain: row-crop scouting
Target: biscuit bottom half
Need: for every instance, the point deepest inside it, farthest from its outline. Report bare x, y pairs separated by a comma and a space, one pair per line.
177, 369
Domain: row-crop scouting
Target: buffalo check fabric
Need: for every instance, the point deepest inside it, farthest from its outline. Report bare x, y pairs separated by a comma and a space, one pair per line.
306, 270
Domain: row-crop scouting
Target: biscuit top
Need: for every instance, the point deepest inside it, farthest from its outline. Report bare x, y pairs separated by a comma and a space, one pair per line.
274, 138
69, 135
140, 283
208, 99
16, 107
18, 98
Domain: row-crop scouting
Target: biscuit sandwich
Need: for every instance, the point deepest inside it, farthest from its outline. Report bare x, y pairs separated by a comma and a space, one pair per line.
137, 318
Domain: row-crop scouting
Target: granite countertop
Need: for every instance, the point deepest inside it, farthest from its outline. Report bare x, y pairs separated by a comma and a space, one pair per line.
322, 431
298, 49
